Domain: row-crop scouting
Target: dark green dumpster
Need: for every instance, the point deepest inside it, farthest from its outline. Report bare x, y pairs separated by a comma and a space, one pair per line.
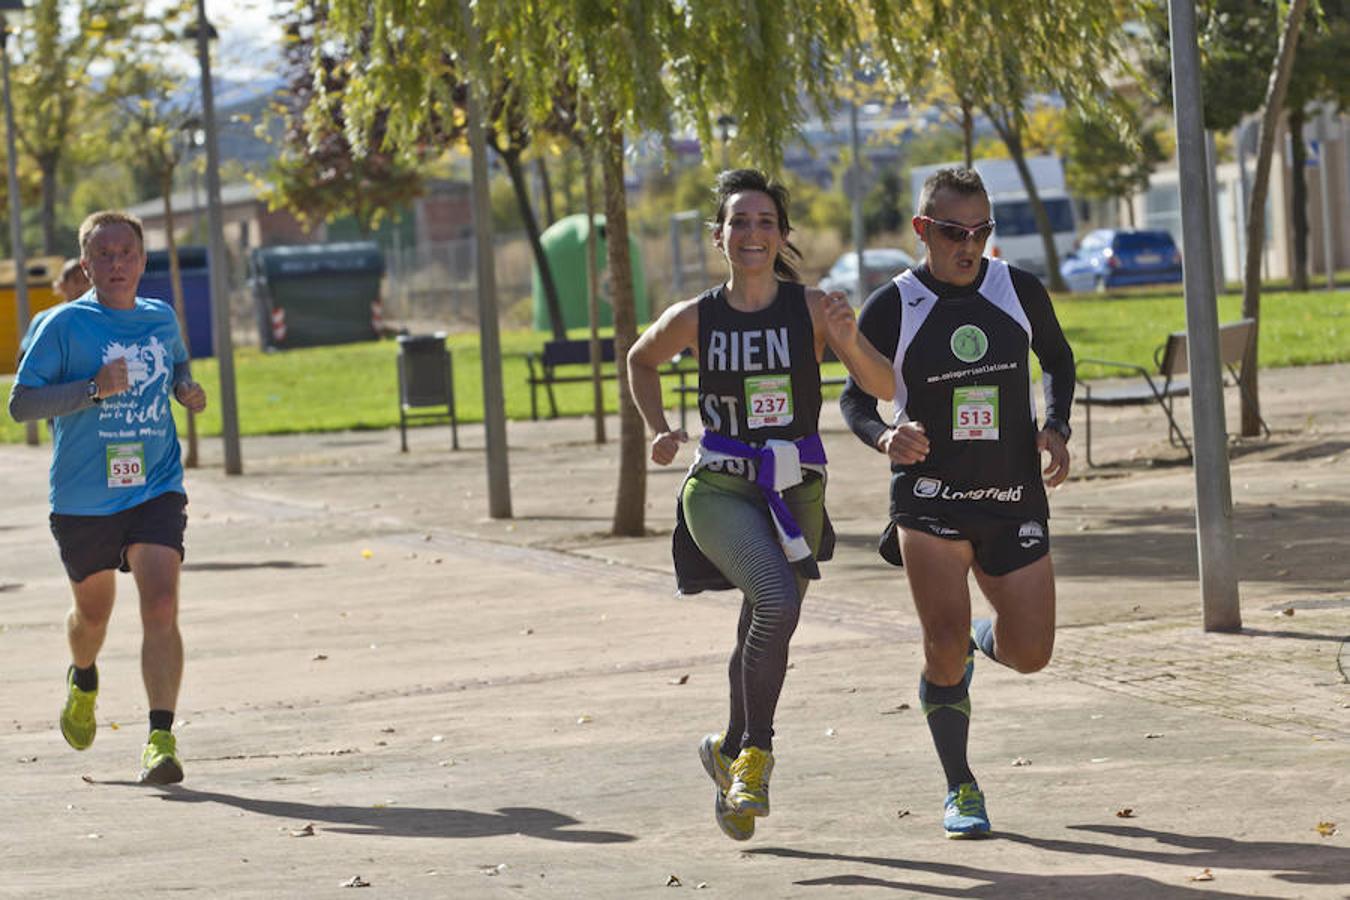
565, 246
316, 294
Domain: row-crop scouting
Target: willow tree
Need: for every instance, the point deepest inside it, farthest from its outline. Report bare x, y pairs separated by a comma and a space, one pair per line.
634, 67
998, 56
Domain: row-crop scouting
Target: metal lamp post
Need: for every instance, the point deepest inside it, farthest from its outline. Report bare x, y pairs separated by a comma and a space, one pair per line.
15, 209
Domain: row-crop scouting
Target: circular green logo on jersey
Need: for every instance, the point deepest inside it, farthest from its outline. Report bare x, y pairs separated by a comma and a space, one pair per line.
969, 343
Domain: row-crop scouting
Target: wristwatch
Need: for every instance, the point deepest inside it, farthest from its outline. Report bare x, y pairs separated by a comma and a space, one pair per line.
91, 391
1061, 427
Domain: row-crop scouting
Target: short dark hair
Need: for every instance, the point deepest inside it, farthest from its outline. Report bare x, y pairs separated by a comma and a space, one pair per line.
70, 267
965, 182
737, 181
109, 217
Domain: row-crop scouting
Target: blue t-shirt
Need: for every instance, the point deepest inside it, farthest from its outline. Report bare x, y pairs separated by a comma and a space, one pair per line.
124, 451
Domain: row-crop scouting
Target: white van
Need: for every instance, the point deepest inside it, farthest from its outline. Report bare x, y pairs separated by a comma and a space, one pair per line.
1016, 237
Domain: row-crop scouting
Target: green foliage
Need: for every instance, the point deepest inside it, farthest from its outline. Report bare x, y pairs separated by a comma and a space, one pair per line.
1101, 165
887, 206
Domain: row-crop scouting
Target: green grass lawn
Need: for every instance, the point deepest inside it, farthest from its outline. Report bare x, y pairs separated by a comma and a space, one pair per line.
355, 386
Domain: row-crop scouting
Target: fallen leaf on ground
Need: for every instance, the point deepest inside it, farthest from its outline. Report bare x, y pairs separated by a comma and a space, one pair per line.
87, 779
583, 720
1289, 611
830, 732
674, 881
683, 679
1125, 813
307, 831
1153, 734
355, 881
1327, 829
1205, 875
114, 726
700, 886
1021, 761
27, 759
498, 869
901, 813
319, 657
365, 554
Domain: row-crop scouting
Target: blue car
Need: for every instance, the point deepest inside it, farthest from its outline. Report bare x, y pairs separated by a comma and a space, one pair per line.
1110, 257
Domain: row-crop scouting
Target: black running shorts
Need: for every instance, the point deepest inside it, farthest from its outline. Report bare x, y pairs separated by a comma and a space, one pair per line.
91, 544
1001, 545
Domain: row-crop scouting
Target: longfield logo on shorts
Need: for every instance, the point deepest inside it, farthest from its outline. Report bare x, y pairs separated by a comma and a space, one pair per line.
1030, 534
927, 487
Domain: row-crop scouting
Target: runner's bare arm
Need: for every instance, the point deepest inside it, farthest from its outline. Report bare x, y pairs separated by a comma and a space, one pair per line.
834, 323
674, 332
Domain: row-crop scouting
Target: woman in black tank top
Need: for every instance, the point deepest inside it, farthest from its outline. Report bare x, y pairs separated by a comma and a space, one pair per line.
751, 513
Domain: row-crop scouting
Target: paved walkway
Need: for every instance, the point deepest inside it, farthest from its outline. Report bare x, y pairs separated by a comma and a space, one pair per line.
384, 683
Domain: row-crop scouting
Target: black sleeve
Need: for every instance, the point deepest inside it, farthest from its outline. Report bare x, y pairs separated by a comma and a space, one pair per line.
879, 322
1049, 345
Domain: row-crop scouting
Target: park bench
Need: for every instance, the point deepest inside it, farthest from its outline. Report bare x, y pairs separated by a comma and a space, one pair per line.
1237, 346
569, 362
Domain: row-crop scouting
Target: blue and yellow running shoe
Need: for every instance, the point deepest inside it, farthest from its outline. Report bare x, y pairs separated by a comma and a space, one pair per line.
964, 815
77, 716
159, 759
737, 826
749, 791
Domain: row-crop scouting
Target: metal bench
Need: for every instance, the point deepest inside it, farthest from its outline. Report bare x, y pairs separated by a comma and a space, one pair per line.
1237, 341
551, 366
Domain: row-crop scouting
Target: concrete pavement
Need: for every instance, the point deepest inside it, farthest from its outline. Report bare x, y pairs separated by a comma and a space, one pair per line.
384, 683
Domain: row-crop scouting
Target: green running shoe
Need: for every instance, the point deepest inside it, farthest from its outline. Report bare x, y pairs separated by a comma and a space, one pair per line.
77, 716
964, 815
749, 791
159, 759
737, 826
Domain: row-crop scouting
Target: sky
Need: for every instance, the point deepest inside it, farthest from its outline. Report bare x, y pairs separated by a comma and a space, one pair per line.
250, 41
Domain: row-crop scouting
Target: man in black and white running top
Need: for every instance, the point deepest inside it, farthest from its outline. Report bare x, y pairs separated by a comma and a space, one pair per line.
967, 492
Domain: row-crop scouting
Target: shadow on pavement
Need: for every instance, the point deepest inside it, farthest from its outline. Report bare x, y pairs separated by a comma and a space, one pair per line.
403, 821
1002, 885
236, 566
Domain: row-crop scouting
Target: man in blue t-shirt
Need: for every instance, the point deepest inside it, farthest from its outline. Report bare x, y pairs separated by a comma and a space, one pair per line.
103, 368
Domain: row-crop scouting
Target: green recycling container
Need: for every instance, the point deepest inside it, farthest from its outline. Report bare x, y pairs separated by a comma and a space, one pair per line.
315, 294
565, 247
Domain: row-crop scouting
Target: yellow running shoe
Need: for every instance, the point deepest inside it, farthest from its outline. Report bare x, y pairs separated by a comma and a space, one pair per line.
749, 791
77, 716
159, 759
734, 825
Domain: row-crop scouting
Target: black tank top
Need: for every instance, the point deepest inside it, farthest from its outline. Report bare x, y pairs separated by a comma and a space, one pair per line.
758, 377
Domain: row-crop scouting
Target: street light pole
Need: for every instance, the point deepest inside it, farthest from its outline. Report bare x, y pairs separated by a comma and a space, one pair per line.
220, 299
30, 429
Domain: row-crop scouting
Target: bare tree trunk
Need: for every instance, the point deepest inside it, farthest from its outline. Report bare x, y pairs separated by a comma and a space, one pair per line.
1012, 139
546, 189
517, 174
1298, 198
631, 498
593, 296
968, 132
180, 307
47, 165
1276, 88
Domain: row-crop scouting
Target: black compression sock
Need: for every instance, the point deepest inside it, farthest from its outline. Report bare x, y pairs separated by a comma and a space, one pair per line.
161, 720
947, 709
85, 679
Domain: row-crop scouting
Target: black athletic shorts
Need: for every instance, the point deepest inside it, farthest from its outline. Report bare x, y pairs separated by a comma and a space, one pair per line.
1001, 545
91, 544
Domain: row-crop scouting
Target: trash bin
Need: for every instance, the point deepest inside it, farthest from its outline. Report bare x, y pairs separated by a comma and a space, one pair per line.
426, 379
565, 247
42, 271
195, 271
317, 294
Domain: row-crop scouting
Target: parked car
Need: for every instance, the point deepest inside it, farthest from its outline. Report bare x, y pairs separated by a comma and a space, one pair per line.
882, 263
1110, 257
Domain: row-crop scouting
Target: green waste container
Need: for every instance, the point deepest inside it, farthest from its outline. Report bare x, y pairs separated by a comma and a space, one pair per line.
317, 294
565, 247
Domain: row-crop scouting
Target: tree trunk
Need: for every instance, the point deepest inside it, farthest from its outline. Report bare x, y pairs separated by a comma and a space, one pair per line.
1298, 198
176, 282
631, 498
1012, 139
517, 174
593, 296
47, 165
1276, 88
968, 132
546, 189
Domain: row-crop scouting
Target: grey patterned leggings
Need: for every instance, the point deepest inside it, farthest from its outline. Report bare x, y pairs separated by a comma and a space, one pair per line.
730, 522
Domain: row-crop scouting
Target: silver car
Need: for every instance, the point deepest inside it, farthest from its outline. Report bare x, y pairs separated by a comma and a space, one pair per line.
882, 263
